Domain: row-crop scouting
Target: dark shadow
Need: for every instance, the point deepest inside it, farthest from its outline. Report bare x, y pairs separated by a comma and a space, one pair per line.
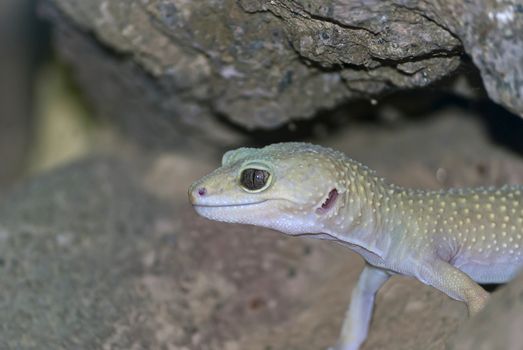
491, 287
24, 41
503, 127
392, 110
398, 108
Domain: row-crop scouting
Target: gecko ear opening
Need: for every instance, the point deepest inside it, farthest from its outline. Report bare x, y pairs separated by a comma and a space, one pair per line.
329, 202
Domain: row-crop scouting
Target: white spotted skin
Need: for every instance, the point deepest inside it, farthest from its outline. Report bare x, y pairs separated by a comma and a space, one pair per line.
479, 231
446, 239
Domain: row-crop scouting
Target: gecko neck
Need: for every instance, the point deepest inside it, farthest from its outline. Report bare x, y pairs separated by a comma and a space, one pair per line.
360, 221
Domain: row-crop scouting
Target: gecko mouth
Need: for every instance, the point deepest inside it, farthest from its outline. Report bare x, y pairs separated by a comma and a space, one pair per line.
233, 212
196, 205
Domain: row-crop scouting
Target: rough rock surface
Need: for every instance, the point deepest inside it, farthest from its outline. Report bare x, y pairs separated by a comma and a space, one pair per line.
107, 254
263, 63
69, 243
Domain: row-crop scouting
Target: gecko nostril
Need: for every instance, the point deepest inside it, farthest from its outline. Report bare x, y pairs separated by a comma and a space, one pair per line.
202, 191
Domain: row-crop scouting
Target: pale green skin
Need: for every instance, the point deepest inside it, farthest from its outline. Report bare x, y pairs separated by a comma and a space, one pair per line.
447, 239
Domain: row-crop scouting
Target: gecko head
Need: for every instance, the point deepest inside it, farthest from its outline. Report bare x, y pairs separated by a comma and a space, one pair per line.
290, 187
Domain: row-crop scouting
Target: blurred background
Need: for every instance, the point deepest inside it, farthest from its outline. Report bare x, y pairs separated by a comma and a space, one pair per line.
43, 119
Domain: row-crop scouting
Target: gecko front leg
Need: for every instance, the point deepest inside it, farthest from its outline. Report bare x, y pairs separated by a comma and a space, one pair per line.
356, 324
455, 283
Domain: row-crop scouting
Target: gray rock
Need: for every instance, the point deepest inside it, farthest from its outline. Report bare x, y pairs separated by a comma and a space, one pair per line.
157, 64
492, 34
68, 247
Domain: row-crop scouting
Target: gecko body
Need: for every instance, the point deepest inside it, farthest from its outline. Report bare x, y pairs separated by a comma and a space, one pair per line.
451, 240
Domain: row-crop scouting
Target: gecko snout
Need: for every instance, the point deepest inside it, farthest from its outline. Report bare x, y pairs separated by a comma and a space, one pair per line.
196, 192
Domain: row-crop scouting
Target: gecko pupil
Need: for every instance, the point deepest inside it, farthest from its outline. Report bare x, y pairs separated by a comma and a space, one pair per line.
254, 179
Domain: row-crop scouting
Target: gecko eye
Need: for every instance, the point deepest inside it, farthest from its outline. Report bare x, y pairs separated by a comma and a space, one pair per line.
254, 179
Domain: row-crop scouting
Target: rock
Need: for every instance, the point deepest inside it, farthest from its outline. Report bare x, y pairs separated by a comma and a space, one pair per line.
498, 326
69, 242
158, 64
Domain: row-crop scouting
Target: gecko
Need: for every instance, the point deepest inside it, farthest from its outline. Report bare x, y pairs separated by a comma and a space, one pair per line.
452, 240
